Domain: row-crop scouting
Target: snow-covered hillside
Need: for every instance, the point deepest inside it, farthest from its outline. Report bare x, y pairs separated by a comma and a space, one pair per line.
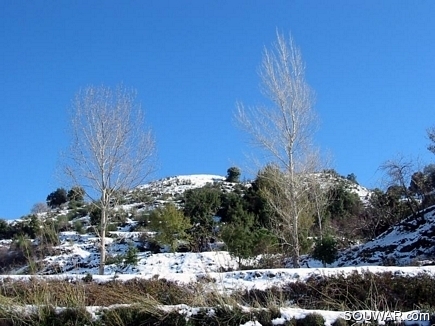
409, 241
77, 254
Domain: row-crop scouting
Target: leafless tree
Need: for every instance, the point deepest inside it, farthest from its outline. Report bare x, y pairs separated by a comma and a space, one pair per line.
399, 171
111, 149
431, 135
319, 196
284, 131
39, 208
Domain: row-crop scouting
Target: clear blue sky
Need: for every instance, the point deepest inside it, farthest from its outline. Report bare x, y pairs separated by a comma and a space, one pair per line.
371, 64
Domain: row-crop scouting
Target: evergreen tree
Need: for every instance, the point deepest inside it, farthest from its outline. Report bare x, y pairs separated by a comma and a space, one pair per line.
239, 240
201, 205
57, 198
325, 250
343, 203
76, 194
244, 237
233, 174
352, 178
5, 230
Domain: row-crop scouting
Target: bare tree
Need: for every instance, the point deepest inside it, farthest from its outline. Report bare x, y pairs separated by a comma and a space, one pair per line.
399, 171
319, 196
111, 148
284, 131
39, 208
431, 136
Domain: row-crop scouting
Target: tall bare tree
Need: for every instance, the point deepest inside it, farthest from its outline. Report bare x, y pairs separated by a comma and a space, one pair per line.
111, 148
284, 130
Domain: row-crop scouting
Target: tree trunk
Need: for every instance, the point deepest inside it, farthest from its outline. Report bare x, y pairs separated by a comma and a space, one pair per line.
102, 241
296, 251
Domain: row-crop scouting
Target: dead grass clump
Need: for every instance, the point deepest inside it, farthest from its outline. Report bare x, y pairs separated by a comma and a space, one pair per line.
42, 292
131, 315
73, 293
357, 291
383, 291
18, 315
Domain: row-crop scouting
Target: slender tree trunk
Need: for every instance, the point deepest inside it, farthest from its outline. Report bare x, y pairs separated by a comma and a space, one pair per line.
296, 263
296, 249
103, 240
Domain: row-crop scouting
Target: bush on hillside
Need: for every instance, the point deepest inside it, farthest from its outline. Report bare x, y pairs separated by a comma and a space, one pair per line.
6, 231
233, 174
76, 194
325, 250
200, 206
57, 198
171, 226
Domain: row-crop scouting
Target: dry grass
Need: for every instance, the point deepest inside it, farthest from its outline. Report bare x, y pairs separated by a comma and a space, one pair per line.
146, 299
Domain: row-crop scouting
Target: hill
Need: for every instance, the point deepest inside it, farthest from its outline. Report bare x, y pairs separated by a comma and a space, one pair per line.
131, 258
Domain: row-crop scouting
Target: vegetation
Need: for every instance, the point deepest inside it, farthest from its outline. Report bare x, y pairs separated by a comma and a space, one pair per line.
76, 194
201, 205
57, 198
171, 226
325, 250
233, 174
283, 130
111, 150
142, 302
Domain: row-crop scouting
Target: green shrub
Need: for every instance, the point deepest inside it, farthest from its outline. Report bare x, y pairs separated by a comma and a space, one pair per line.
62, 223
115, 259
239, 236
200, 205
57, 198
5, 230
131, 256
119, 216
111, 227
325, 250
88, 278
233, 174
78, 227
95, 215
48, 234
171, 225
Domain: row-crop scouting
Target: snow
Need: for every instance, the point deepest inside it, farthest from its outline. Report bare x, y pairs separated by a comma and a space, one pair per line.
179, 184
78, 255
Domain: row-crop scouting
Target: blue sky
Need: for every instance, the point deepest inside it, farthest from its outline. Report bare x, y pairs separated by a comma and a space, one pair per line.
371, 64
